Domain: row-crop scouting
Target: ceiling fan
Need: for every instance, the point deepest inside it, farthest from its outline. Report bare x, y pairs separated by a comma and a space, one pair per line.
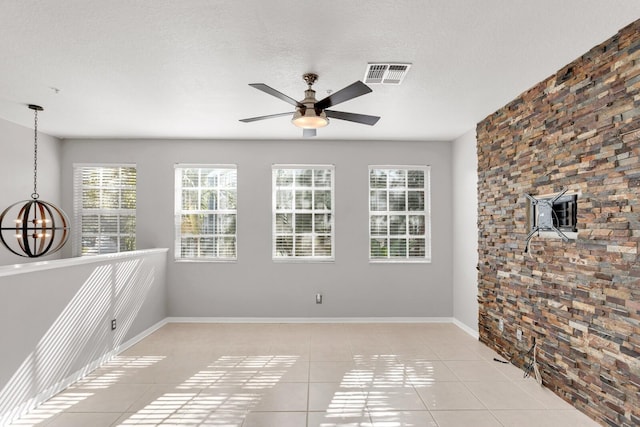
311, 114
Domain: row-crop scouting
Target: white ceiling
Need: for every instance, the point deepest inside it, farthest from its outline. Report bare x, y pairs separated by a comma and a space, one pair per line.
169, 68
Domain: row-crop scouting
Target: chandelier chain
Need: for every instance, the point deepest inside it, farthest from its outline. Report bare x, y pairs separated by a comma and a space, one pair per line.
35, 194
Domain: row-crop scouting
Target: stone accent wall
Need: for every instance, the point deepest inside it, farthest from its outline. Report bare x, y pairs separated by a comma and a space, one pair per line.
578, 129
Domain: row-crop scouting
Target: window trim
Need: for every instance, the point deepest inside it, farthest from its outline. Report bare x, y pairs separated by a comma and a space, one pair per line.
427, 213
178, 211
302, 259
76, 244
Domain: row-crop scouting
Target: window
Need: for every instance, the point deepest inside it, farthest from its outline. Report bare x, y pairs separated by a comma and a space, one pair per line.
303, 212
104, 209
399, 214
206, 212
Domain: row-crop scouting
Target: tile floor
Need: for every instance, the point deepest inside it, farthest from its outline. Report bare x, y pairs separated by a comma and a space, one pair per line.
320, 375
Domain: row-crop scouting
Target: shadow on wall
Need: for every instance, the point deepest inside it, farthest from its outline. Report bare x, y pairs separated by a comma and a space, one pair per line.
81, 338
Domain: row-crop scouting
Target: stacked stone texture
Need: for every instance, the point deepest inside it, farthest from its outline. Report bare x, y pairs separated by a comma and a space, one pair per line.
577, 130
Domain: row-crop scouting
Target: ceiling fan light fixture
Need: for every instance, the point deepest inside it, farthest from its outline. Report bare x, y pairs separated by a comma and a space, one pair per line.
310, 120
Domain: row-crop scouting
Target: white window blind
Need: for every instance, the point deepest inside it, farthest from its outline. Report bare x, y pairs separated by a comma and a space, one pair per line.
104, 209
206, 212
303, 212
399, 213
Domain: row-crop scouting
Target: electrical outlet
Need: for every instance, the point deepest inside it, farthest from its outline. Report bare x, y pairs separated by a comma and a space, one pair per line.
519, 334
501, 325
113, 325
318, 298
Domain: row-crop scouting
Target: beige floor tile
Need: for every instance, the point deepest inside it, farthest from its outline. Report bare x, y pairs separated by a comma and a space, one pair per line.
443, 335
402, 419
115, 398
485, 352
548, 418
169, 373
259, 375
503, 395
376, 360
448, 396
30, 421
245, 362
163, 397
144, 370
275, 419
93, 419
330, 353
355, 378
284, 397
510, 371
332, 398
413, 353
370, 348
283, 348
226, 400
58, 404
338, 419
192, 418
170, 405
116, 376
548, 398
424, 372
335, 371
184, 404
393, 398
475, 370
452, 351
247, 349
384, 379
297, 372
482, 418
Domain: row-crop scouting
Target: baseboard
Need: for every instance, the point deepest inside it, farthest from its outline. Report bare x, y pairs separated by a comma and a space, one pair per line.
309, 320
465, 328
133, 341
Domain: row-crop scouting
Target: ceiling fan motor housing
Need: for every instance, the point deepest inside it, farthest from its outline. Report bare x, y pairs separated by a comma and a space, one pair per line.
308, 117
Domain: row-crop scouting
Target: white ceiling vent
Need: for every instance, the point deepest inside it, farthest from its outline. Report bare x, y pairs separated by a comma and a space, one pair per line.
386, 74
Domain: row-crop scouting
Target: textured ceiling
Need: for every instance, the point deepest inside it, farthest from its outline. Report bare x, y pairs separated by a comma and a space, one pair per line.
166, 68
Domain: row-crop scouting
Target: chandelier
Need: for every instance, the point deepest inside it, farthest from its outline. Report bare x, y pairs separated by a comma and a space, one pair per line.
33, 228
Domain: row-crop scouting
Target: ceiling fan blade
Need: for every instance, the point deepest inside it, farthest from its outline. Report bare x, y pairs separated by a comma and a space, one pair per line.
308, 133
354, 90
352, 117
270, 116
271, 91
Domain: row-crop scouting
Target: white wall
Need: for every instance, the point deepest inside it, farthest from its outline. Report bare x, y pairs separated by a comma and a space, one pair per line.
57, 319
465, 230
255, 286
16, 162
